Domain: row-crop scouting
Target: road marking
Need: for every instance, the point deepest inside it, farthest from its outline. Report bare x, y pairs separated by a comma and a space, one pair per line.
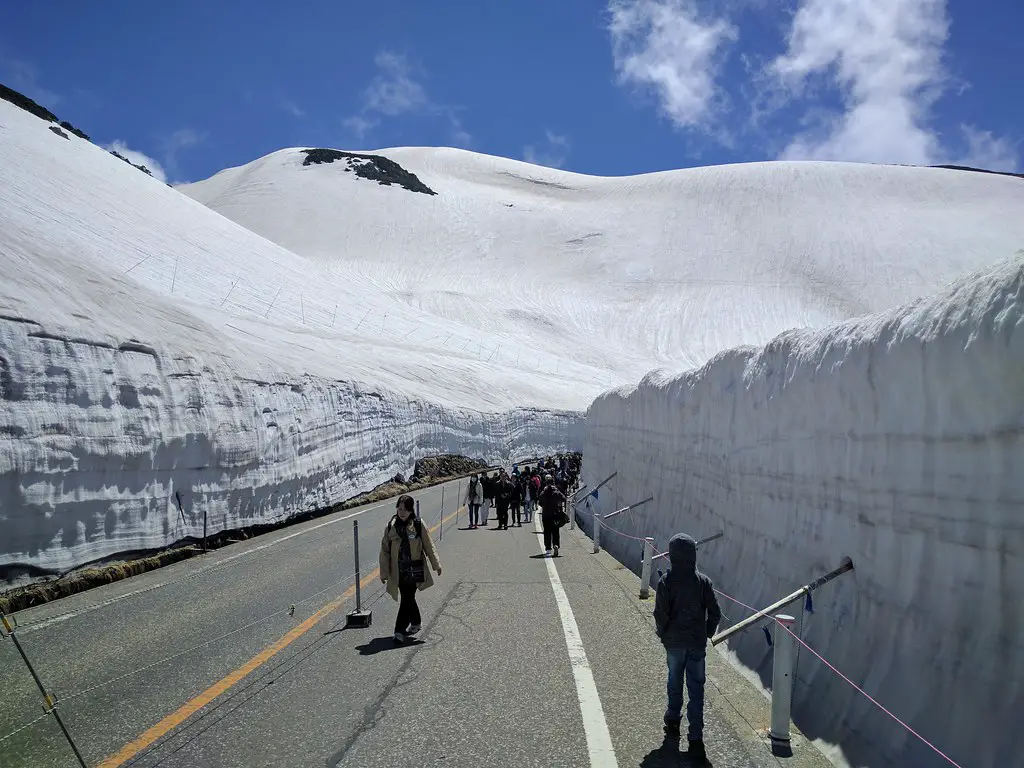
43, 623
65, 616
599, 740
193, 705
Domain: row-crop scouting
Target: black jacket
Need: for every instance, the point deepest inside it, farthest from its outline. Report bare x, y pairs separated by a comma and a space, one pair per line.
686, 611
551, 500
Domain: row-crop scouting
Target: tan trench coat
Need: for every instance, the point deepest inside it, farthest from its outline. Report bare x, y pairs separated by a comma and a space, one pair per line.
389, 548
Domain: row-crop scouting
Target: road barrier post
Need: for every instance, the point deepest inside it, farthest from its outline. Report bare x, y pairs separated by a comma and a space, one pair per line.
50, 701
358, 618
597, 533
440, 524
782, 679
645, 569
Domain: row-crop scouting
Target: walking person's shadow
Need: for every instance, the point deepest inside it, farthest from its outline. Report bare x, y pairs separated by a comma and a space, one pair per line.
669, 756
387, 643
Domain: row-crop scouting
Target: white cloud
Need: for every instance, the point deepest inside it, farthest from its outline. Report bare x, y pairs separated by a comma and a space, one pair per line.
666, 46
394, 91
138, 158
987, 151
553, 153
360, 125
173, 143
292, 108
459, 136
885, 58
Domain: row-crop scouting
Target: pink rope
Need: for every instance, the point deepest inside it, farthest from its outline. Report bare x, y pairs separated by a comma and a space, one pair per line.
856, 687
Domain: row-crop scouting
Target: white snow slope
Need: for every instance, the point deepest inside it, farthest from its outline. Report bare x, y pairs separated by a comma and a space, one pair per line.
895, 439
149, 347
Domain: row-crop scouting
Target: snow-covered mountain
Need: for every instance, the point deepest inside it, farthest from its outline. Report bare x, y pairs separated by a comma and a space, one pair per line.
151, 349
629, 274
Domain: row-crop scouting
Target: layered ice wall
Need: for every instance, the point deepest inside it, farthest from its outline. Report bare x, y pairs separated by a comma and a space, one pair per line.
101, 437
151, 349
896, 439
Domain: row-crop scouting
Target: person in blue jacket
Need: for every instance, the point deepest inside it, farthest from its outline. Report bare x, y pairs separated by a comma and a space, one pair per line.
686, 614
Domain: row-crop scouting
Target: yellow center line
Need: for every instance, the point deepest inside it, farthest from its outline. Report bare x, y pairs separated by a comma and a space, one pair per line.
193, 705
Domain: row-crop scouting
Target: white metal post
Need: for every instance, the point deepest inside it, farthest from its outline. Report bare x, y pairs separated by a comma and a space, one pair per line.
645, 569
440, 529
359, 587
782, 679
597, 533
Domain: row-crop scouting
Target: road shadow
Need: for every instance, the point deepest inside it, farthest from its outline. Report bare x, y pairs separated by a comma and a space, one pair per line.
387, 643
541, 556
669, 756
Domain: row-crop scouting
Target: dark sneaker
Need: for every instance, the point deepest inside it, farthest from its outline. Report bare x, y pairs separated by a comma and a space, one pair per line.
696, 752
672, 726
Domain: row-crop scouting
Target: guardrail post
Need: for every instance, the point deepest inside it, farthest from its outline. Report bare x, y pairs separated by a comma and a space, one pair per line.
10, 625
597, 533
418, 510
782, 679
358, 617
440, 524
645, 569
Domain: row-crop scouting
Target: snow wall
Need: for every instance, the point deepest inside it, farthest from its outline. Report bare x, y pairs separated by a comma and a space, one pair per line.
97, 437
895, 439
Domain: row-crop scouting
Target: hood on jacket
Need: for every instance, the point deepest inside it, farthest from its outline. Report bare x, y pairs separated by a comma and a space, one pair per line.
682, 552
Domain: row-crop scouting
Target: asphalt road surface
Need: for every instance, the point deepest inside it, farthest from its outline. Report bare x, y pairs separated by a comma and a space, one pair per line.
204, 662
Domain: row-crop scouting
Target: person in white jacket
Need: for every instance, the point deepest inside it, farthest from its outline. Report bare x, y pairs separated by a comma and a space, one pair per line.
474, 497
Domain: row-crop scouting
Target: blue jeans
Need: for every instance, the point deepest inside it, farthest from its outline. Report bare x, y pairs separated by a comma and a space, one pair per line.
688, 662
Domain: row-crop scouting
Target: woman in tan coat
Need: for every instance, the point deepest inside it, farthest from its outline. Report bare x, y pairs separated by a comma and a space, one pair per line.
402, 566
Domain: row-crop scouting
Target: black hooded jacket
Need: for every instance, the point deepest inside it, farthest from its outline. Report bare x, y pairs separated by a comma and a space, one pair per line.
686, 611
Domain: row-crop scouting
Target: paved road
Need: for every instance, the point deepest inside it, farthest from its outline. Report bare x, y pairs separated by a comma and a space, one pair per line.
492, 683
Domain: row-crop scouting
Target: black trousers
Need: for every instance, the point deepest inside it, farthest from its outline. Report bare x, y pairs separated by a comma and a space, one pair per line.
474, 514
552, 533
516, 514
502, 515
408, 611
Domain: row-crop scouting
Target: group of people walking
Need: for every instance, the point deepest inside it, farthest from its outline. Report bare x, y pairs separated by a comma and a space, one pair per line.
516, 496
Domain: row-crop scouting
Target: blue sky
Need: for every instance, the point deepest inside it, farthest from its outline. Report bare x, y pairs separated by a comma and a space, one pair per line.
606, 87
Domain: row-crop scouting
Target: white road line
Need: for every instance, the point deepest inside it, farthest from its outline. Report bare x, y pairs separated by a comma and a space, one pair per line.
599, 740
65, 616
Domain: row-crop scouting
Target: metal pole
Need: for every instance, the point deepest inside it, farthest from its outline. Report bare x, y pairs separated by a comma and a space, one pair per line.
51, 701
699, 543
359, 589
597, 533
629, 507
782, 679
204, 528
778, 605
458, 499
645, 569
418, 510
440, 530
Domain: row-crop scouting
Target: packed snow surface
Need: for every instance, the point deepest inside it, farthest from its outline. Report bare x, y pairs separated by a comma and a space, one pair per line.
622, 275
158, 360
895, 439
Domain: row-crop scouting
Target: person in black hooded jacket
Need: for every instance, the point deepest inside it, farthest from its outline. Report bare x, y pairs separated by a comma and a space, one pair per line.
686, 614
